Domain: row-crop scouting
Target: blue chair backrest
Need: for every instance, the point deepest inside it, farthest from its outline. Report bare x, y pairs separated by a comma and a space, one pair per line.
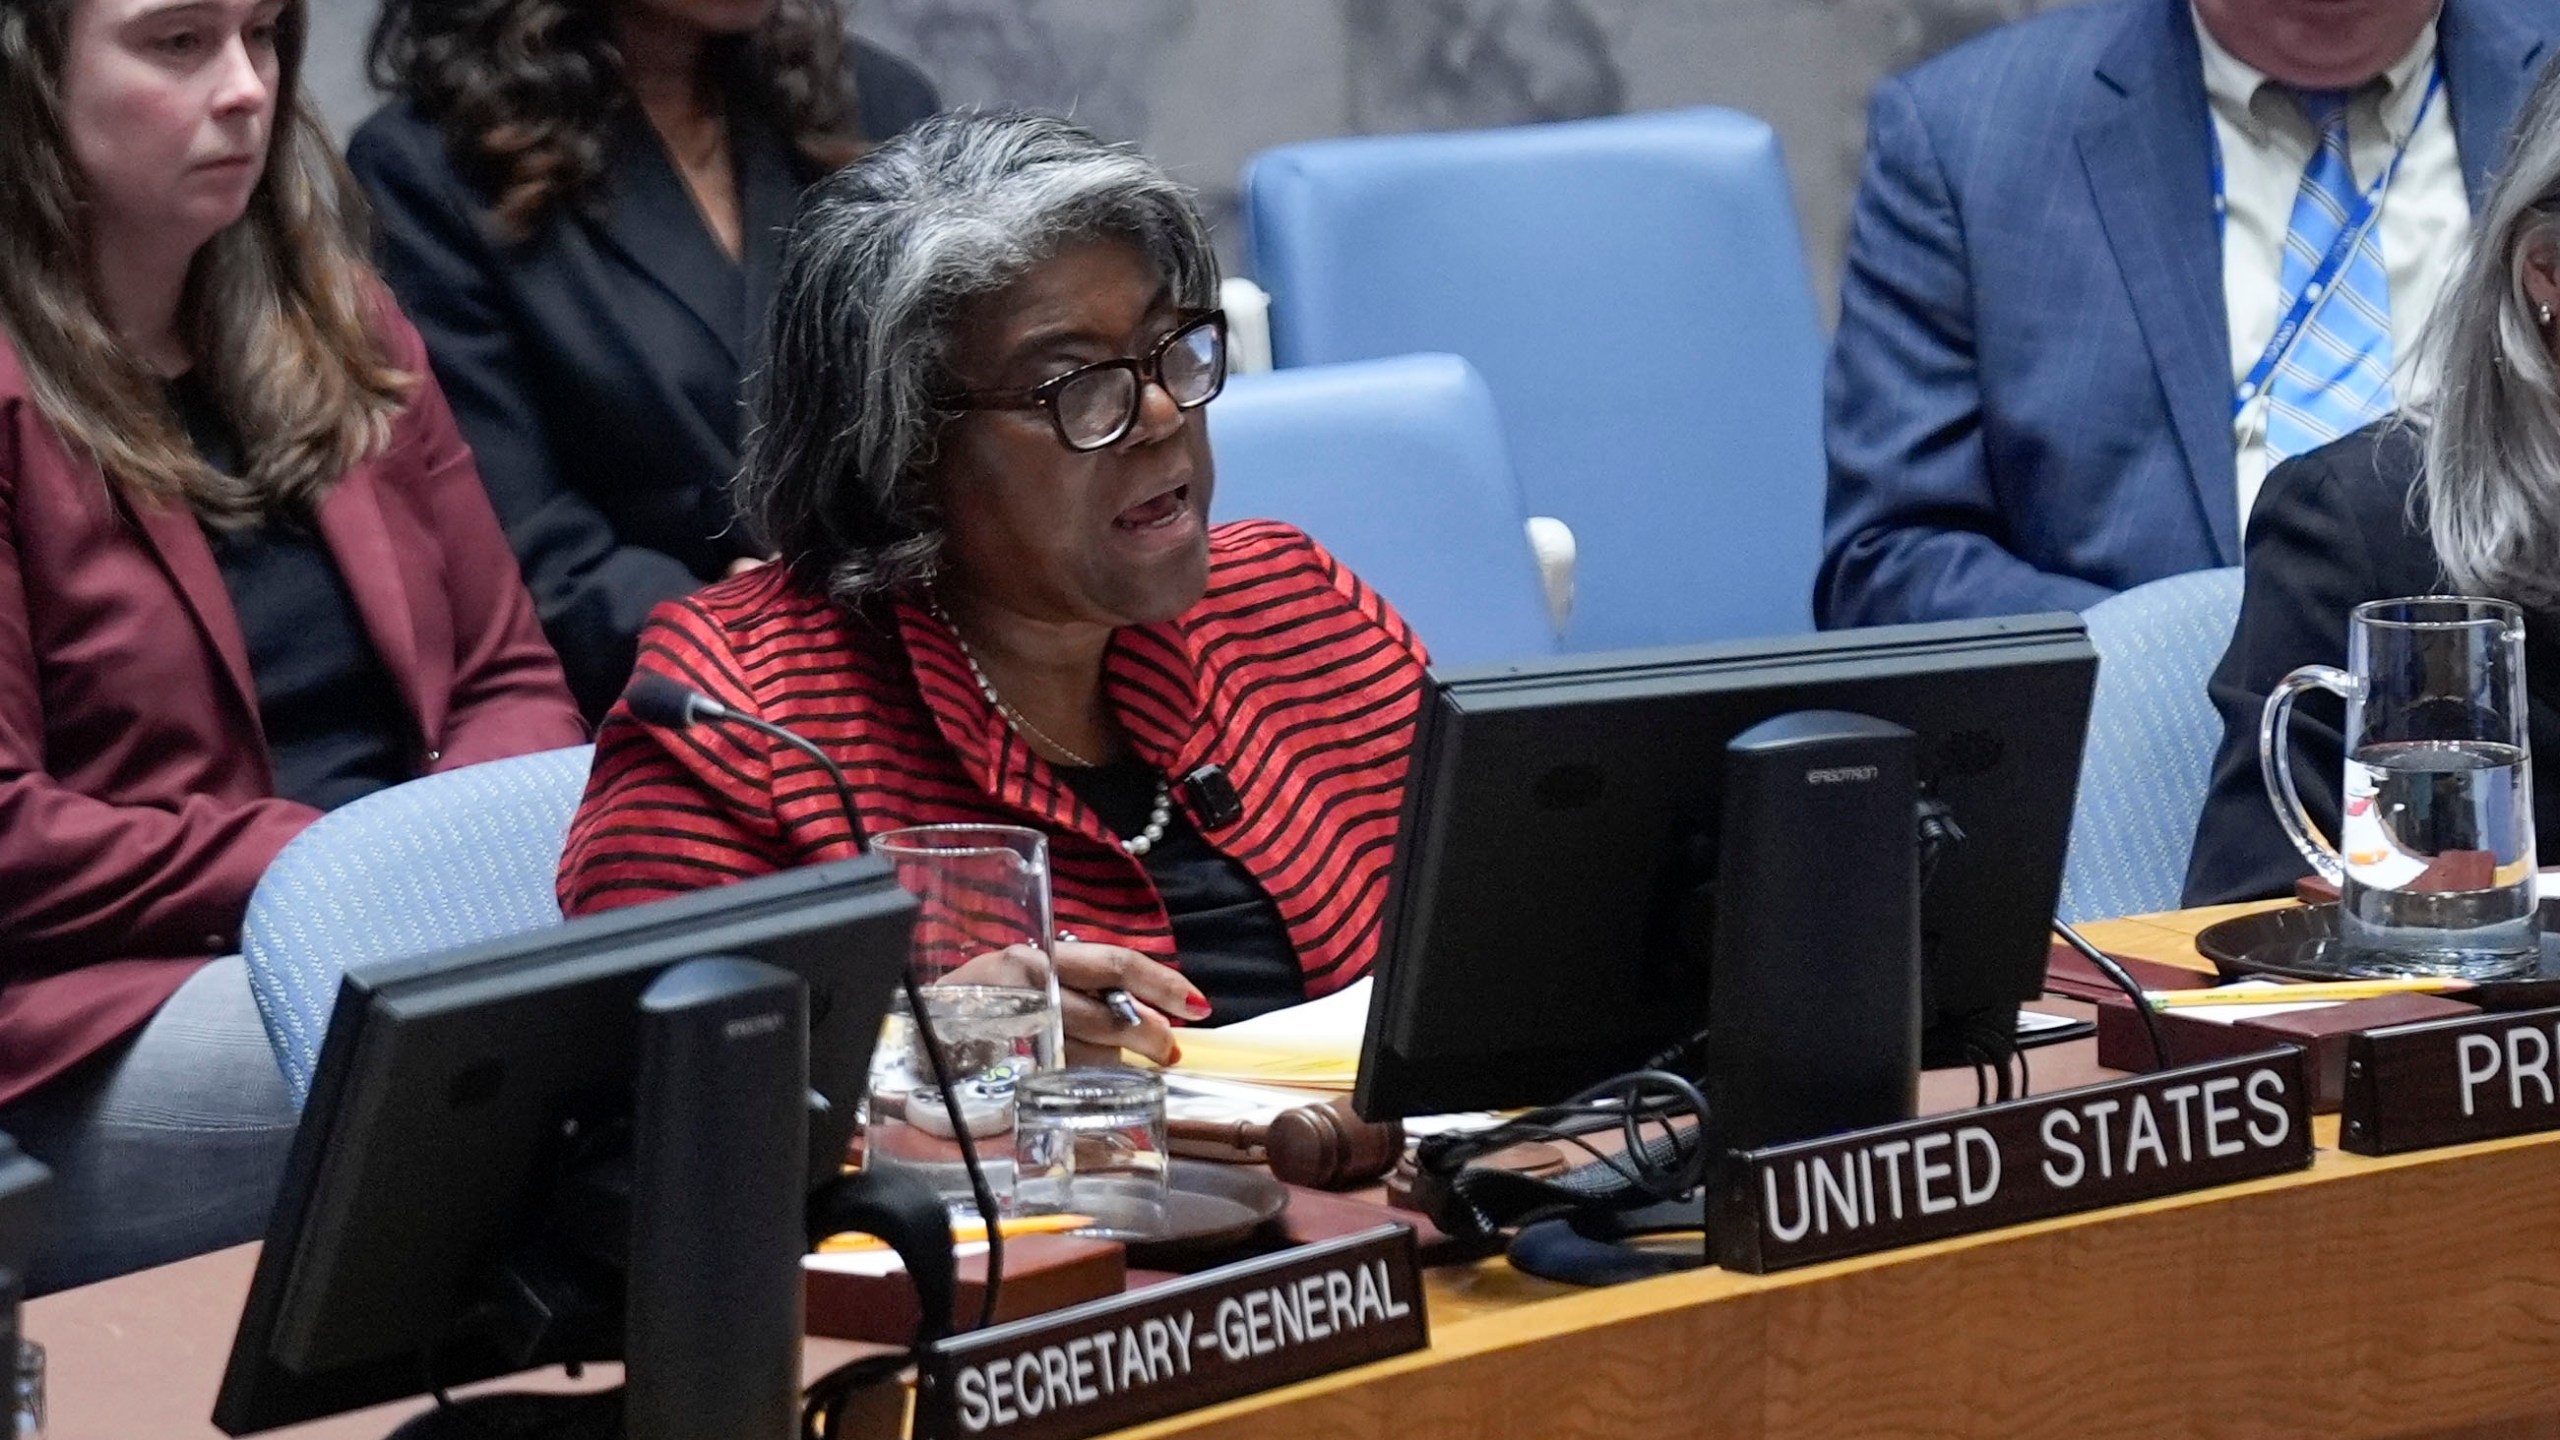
448, 860
2152, 735
1397, 467
1634, 291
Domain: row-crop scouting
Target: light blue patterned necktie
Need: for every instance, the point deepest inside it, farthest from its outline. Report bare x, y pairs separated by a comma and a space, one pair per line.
2337, 377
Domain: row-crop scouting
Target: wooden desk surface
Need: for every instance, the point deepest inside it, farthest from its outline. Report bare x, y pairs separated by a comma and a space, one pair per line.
2415, 1295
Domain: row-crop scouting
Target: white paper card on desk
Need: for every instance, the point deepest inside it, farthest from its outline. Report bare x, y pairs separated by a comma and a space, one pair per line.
1315, 1046
2232, 1014
876, 1263
1217, 1101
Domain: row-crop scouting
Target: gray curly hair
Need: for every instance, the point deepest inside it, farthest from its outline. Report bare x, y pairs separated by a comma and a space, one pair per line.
2492, 498
882, 259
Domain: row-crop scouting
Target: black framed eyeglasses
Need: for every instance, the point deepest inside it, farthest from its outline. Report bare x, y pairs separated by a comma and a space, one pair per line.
1093, 406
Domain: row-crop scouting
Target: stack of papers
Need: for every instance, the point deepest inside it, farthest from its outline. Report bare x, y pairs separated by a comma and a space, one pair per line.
1254, 1069
1207, 1099
1315, 1046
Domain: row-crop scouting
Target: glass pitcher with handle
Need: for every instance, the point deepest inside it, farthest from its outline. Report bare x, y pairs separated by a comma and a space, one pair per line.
2435, 858
981, 960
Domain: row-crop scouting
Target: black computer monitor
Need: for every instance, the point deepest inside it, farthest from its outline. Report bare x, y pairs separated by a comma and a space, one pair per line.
457, 1094
1545, 925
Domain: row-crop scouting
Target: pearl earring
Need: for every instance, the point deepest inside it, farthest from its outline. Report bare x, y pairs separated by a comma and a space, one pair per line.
2542, 312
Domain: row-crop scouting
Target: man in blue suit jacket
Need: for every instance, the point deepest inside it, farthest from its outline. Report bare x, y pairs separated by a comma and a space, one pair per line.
2031, 396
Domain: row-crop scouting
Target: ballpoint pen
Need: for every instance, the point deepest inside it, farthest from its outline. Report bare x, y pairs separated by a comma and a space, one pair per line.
1123, 1006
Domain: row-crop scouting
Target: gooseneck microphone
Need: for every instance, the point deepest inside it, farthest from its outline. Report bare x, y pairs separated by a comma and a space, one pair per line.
660, 700
656, 699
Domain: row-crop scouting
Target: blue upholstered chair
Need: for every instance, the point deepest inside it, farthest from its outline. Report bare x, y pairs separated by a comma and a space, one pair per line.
1397, 467
1634, 291
2152, 735
465, 856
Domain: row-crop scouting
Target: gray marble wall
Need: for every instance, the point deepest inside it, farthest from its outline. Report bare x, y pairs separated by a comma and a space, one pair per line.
1204, 84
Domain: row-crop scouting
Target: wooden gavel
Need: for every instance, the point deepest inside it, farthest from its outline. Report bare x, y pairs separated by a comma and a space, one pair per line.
1323, 1146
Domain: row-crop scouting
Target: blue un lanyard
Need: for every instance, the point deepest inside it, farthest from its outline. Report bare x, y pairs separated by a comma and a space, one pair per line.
2316, 291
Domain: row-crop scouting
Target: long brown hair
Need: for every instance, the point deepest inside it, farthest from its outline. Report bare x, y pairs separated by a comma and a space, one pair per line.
278, 306
526, 91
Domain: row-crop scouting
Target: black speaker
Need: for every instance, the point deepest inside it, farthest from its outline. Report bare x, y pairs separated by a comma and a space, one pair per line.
720, 1154
1814, 985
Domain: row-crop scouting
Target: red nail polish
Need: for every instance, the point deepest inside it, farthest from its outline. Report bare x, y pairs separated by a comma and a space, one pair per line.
1172, 1056
1197, 1007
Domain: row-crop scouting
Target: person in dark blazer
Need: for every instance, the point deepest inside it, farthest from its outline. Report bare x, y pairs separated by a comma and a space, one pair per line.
581, 207
2464, 498
246, 574
2044, 321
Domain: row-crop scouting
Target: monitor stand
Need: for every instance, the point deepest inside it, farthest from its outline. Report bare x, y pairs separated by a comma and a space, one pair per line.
714, 1197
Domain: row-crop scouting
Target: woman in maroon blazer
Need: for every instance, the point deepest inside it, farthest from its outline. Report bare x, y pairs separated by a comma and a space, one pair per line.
247, 573
981, 455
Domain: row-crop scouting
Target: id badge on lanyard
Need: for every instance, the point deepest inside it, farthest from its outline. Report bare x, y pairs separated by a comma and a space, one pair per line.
2323, 282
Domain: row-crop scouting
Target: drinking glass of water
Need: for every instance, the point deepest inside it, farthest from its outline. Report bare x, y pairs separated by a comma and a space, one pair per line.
1093, 1143
981, 962
2435, 859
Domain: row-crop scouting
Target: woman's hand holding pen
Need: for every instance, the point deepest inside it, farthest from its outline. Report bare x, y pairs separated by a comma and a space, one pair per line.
1113, 998
1087, 973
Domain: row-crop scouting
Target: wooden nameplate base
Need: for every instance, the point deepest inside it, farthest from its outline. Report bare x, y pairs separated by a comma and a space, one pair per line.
2047, 1155
875, 1301
2193, 1037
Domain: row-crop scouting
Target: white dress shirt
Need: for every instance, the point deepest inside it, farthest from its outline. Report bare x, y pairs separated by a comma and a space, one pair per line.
2267, 143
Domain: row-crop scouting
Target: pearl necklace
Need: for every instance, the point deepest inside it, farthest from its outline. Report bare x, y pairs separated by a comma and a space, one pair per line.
1159, 816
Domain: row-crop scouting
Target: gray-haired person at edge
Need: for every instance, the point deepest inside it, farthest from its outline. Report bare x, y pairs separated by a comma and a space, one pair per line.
2461, 495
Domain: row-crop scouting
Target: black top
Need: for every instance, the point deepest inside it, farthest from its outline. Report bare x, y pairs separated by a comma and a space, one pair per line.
594, 364
2332, 529
336, 726
1227, 935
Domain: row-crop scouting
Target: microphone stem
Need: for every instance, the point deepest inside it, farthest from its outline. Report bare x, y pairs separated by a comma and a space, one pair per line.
702, 708
2123, 980
834, 772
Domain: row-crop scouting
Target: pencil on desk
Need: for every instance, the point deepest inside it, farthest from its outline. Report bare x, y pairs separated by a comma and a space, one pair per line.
964, 1232
2298, 994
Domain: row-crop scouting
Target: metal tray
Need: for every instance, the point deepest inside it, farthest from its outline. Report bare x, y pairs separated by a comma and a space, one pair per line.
1211, 1212
2301, 943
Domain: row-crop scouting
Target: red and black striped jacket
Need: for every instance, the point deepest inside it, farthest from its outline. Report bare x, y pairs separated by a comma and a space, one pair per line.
1290, 674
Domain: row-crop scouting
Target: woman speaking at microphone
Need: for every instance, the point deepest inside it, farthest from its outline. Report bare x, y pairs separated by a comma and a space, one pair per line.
980, 454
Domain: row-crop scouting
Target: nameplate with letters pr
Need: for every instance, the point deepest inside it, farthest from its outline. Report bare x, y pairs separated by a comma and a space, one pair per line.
2444, 1082
1180, 1345
2031, 1159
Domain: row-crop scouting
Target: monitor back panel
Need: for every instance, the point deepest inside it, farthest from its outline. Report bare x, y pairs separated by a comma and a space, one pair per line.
451, 1094
1550, 913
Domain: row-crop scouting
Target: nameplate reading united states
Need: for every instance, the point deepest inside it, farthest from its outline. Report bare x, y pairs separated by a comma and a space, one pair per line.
1177, 1346
2444, 1082
2030, 1159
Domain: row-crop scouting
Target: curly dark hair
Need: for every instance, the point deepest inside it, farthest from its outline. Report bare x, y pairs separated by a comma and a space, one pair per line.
526, 91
